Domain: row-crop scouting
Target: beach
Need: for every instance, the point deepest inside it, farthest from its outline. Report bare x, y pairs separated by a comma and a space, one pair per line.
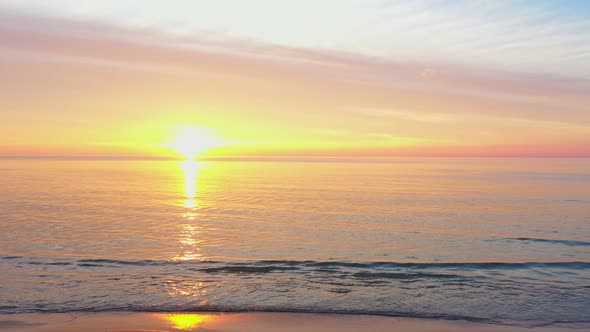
248, 322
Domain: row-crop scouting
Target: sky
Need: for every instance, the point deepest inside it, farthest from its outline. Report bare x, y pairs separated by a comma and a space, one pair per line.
295, 78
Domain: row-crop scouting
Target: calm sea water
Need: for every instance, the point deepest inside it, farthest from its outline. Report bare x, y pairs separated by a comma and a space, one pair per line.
497, 240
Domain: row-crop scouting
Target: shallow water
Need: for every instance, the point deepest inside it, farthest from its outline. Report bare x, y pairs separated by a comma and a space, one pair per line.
498, 240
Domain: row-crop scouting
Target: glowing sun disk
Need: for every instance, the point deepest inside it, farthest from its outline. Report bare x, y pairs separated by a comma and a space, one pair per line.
192, 142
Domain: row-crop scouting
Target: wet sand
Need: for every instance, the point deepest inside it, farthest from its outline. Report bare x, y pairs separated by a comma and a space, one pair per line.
244, 322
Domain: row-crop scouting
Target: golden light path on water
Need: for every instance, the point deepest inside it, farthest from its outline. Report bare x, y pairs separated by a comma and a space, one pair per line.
190, 230
191, 170
190, 243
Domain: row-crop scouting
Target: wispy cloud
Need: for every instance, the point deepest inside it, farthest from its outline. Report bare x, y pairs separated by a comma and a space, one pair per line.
532, 36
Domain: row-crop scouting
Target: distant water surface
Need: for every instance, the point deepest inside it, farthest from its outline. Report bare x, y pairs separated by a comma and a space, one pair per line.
498, 240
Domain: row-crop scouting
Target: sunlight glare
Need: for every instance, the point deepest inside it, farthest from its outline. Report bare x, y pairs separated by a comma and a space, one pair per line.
190, 169
193, 142
186, 322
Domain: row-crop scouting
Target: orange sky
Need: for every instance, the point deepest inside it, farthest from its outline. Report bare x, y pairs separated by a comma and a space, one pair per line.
72, 86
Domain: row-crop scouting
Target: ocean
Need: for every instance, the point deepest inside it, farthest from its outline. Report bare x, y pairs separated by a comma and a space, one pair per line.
504, 241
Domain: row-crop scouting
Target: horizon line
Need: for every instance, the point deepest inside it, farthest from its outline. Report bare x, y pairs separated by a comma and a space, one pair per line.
298, 157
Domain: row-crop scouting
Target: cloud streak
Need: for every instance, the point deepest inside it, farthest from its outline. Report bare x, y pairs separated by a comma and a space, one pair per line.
532, 36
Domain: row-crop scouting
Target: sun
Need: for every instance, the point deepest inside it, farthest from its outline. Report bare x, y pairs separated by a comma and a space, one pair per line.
193, 142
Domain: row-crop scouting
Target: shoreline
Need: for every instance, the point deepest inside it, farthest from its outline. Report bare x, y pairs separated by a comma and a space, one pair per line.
250, 321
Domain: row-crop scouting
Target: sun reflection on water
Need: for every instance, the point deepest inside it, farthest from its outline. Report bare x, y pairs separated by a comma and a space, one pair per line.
189, 236
190, 241
191, 171
187, 322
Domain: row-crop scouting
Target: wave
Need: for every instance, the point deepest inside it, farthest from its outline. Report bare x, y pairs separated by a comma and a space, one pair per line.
100, 261
443, 265
405, 276
571, 243
273, 265
246, 269
503, 291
